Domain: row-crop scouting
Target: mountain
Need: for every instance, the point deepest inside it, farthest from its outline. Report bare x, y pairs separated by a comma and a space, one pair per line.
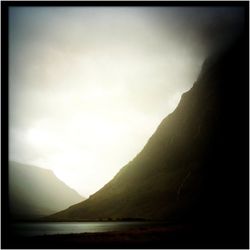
36, 192
194, 168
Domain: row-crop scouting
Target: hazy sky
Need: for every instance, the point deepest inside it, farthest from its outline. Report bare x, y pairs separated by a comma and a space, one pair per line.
89, 85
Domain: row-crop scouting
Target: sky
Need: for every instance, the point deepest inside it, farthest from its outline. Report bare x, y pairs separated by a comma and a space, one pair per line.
88, 86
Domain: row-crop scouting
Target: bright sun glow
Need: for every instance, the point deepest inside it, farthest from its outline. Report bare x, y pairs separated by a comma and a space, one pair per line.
37, 137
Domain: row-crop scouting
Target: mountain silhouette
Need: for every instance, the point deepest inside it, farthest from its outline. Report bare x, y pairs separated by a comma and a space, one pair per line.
36, 192
194, 168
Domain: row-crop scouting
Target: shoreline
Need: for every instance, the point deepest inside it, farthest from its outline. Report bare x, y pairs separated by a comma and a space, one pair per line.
142, 237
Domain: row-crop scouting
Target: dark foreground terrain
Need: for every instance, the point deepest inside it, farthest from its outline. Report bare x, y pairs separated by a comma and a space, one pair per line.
177, 236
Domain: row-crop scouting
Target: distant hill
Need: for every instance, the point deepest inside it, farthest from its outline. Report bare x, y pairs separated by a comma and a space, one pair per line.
35, 192
194, 168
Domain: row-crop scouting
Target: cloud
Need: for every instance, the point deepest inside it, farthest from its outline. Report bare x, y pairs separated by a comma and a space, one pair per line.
89, 86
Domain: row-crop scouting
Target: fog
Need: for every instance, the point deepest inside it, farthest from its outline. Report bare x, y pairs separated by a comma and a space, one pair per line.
88, 86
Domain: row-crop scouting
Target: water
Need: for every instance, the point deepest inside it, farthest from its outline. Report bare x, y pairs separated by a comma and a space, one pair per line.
48, 228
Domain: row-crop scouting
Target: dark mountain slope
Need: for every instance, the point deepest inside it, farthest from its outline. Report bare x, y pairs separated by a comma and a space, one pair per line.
195, 166
36, 192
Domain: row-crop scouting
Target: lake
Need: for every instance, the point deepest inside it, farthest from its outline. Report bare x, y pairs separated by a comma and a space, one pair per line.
48, 228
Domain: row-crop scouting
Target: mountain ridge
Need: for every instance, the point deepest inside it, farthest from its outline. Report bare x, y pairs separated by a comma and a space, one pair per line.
36, 192
50, 171
194, 168
146, 154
